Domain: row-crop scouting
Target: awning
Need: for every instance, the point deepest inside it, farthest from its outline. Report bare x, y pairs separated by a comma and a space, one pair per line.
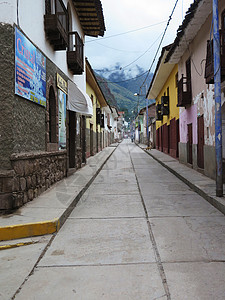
78, 100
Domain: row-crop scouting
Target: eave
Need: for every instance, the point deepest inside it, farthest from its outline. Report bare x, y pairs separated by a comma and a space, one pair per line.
193, 21
92, 81
161, 74
91, 17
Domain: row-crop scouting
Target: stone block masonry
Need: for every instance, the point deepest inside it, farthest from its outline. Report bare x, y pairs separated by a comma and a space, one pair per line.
32, 174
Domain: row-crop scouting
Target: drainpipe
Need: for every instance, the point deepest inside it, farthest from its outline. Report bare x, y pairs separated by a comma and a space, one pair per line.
217, 93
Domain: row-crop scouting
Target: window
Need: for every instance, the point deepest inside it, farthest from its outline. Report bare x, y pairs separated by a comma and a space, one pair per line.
75, 53
184, 87
55, 24
176, 80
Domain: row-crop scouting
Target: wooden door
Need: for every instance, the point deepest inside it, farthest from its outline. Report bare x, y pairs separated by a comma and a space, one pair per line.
200, 142
190, 143
177, 136
83, 139
72, 139
96, 138
91, 139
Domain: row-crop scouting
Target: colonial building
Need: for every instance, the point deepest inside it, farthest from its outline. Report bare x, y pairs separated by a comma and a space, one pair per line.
96, 131
192, 51
163, 88
43, 97
148, 136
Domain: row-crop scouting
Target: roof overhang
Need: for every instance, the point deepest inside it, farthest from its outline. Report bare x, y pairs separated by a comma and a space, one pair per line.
92, 81
91, 17
193, 21
161, 74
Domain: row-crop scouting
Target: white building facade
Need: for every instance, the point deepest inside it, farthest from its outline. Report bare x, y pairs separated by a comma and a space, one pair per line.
43, 101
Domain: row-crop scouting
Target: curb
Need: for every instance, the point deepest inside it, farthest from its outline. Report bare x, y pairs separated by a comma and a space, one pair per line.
29, 229
46, 227
216, 202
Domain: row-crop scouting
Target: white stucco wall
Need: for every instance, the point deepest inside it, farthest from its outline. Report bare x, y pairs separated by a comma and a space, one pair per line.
31, 22
202, 93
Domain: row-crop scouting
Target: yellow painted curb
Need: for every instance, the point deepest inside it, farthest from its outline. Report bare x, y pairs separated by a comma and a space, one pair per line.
28, 230
5, 247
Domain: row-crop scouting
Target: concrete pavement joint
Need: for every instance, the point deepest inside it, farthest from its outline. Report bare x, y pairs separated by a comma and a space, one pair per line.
109, 218
97, 265
32, 271
68, 211
207, 197
50, 226
152, 238
62, 219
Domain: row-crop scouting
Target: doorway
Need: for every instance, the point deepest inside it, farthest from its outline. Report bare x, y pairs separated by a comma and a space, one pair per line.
200, 142
72, 139
190, 143
91, 140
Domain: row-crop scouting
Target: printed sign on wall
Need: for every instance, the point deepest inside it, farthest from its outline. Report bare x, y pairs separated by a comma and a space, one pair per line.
62, 119
30, 70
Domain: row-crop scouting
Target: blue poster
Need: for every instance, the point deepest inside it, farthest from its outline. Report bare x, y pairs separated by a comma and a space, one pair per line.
30, 70
62, 119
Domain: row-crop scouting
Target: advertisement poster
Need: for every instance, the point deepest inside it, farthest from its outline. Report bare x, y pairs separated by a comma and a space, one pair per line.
30, 70
62, 119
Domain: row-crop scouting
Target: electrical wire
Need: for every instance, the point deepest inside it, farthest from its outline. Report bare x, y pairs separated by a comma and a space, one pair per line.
118, 34
149, 70
17, 12
127, 51
122, 68
143, 53
167, 25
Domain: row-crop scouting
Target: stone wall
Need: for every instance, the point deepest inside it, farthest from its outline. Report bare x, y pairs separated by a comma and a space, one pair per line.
22, 122
35, 173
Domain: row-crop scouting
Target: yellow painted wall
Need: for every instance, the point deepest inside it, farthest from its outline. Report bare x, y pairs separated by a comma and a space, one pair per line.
173, 109
96, 104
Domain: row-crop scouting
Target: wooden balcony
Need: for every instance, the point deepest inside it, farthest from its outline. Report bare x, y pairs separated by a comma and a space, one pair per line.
55, 24
209, 66
75, 54
159, 116
184, 92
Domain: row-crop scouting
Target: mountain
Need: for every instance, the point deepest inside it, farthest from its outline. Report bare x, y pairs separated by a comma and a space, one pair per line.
119, 90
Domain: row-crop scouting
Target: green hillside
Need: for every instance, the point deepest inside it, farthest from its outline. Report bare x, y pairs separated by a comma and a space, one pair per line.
126, 100
121, 97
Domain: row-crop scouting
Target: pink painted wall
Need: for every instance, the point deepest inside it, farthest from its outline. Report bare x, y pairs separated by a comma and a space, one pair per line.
188, 116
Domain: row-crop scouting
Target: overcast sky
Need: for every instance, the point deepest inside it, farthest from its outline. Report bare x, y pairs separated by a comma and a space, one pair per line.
130, 15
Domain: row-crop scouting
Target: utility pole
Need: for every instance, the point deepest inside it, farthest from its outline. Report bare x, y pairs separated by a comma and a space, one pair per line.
147, 132
217, 92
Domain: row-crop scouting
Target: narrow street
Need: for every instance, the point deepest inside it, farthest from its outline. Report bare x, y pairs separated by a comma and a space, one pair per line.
137, 233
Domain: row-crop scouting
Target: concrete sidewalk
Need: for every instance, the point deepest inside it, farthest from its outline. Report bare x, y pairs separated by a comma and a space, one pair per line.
47, 213
200, 183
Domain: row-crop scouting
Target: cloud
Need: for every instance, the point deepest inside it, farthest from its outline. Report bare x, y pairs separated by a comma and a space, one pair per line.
125, 15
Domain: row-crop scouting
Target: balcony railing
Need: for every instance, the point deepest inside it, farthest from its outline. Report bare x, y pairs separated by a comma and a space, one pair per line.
209, 66
55, 23
75, 53
184, 92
